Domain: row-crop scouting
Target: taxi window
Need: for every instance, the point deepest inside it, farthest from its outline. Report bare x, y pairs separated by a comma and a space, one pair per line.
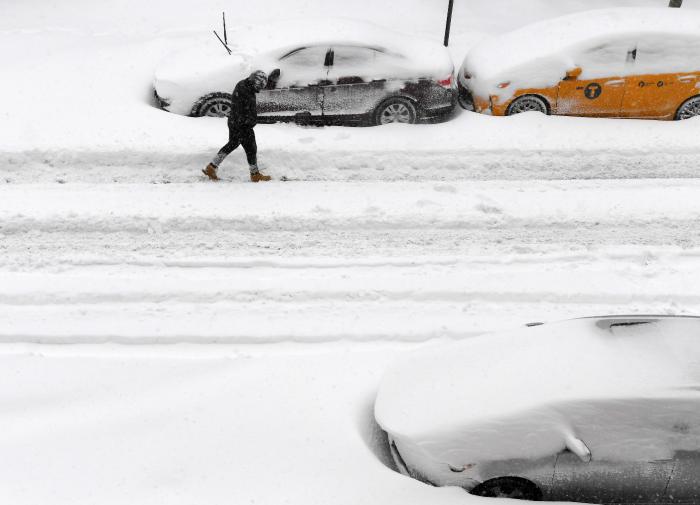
605, 59
668, 55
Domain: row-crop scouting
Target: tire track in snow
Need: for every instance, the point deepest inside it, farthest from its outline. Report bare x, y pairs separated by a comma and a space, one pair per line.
393, 262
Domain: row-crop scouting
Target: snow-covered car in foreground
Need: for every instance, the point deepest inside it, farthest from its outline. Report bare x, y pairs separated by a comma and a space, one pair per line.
624, 62
598, 410
333, 72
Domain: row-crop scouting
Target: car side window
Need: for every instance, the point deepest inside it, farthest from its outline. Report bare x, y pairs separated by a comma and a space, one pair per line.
661, 55
607, 59
352, 56
303, 67
306, 57
354, 64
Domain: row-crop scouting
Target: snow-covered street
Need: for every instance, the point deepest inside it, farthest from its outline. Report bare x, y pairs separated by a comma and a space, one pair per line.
295, 265
317, 262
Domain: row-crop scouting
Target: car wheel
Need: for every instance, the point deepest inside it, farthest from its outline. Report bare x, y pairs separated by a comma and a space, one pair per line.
509, 487
527, 103
395, 110
690, 108
214, 105
465, 102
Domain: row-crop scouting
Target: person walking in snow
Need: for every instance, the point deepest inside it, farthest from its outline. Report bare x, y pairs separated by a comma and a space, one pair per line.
241, 121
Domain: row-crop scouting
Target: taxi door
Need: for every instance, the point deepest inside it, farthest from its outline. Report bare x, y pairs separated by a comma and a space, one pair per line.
653, 91
591, 97
655, 95
600, 88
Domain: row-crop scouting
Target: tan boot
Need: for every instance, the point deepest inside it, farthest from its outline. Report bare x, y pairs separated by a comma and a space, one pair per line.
258, 177
210, 172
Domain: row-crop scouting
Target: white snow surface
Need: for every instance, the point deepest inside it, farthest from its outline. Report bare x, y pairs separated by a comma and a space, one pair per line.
539, 55
165, 340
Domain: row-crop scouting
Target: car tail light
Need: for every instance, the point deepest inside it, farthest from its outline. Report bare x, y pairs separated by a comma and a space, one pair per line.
504, 84
446, 82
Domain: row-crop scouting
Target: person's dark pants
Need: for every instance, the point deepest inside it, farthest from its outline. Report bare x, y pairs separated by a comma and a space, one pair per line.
239, 136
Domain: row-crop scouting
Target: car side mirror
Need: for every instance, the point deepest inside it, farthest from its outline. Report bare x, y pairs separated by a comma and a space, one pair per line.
578, 447
273, 78
573, 74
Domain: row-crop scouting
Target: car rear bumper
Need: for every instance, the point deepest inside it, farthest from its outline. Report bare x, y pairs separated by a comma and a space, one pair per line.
436, 114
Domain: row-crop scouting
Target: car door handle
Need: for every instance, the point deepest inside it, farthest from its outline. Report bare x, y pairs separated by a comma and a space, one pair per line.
687, 78
578, 447
615, 84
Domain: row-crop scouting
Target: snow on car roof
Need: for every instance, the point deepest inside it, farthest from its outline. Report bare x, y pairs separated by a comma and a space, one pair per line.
555, 38
521, 376
259, 46
281, 37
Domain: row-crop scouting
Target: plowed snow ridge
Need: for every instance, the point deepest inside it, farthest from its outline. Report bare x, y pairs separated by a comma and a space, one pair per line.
323, 262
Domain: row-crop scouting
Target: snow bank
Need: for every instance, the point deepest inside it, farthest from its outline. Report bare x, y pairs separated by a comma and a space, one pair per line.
193, 424
173, 148
614, 386
598, 41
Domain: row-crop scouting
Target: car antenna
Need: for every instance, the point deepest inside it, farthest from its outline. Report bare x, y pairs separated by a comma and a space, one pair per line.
225, 41
222, 42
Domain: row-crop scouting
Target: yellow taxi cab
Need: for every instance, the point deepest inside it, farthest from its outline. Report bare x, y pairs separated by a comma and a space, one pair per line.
621, 63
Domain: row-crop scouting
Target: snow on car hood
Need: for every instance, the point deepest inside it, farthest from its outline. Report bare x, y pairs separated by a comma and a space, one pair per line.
539, 55
525, 393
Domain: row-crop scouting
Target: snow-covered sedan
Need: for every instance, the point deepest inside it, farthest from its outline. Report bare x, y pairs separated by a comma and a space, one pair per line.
598, 410
624, 63
334, 72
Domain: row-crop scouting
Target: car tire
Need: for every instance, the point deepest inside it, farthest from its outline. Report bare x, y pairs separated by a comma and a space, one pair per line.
465, 102
213, 105
690, 108
515, 488
528, 103
395, 110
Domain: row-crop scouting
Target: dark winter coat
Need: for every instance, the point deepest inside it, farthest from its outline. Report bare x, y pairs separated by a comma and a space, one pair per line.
243, 106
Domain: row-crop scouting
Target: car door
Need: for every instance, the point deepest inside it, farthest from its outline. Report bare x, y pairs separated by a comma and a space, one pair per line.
683, 426
297, 89
628, 461
684, 486
600, 88
666, 74
609, 481
356, 81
